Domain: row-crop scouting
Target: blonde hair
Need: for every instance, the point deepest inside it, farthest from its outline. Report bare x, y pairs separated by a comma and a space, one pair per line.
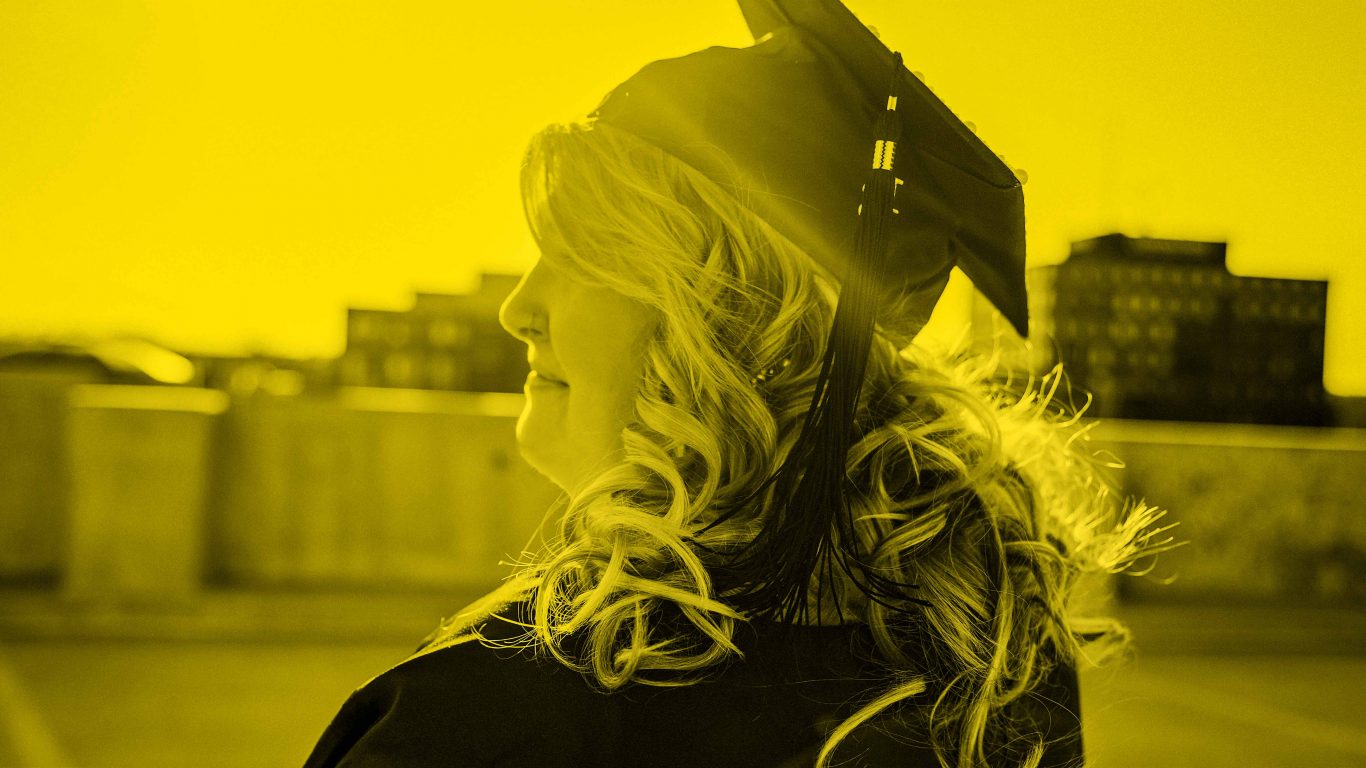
974, 490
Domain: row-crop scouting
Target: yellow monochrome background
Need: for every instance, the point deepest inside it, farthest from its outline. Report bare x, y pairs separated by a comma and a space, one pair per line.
228, 178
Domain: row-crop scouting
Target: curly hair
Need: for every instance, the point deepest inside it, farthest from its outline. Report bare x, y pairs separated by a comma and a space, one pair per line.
976, 490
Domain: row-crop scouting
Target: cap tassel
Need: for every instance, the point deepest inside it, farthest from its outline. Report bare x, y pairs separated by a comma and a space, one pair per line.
811, 530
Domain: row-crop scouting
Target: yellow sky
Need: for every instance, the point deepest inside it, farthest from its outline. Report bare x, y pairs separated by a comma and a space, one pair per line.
227, 176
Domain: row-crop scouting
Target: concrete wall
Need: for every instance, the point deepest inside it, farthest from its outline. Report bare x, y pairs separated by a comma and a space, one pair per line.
374, 487
406, 488
33, 479
139, 468
145, 493
1271, 513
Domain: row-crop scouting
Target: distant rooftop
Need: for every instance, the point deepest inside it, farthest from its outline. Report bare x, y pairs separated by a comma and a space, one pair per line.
1152, 248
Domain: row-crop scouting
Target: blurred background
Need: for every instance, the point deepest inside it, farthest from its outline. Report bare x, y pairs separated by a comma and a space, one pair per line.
256, 410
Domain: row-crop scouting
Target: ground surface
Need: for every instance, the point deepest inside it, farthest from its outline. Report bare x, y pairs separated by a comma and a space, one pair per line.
107, 702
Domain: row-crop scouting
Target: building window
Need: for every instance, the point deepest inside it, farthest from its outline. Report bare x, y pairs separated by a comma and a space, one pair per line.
447, 332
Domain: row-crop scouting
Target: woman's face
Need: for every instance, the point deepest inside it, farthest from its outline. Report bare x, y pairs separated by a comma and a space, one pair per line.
586, 346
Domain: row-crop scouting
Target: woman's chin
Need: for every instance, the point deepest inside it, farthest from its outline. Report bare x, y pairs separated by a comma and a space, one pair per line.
537, 451
544, 441
567, 472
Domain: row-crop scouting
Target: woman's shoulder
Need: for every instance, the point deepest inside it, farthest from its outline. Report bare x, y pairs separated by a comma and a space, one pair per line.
471, 704
480, 703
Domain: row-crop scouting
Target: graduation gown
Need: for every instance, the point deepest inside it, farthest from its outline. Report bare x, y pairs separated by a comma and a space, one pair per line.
472, 705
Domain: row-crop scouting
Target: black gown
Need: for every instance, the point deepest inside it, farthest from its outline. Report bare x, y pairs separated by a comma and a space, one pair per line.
472, 705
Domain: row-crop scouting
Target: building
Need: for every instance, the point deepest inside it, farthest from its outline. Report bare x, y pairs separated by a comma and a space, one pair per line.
264, 374
1159, 329
444, 341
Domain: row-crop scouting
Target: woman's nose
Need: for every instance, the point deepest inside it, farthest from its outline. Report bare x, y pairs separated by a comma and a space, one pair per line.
522, 313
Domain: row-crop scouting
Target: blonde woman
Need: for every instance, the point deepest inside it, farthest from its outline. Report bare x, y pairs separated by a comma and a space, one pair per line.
789, 536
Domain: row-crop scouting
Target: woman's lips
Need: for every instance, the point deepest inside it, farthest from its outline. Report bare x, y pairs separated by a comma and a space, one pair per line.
536, 380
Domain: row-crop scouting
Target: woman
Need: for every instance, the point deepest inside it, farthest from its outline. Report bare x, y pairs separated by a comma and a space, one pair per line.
789, 537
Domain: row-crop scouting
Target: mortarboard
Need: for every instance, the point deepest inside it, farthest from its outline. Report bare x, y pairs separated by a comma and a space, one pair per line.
845, 153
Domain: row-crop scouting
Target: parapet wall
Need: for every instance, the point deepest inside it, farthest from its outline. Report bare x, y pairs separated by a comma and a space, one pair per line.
1270, 513
146, 494
112, 490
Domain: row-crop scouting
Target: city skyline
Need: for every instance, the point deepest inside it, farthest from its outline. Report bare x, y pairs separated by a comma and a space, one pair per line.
232, 178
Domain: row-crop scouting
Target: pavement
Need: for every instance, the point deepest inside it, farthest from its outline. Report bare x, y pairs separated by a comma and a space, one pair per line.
243, 678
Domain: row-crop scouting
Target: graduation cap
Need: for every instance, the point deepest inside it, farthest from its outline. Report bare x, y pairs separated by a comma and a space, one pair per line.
836, 146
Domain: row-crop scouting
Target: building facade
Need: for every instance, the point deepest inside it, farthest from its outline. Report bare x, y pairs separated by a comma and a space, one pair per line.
445, 342
1160, 329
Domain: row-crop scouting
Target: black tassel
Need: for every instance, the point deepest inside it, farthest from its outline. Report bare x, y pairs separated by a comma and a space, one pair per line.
811, 527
